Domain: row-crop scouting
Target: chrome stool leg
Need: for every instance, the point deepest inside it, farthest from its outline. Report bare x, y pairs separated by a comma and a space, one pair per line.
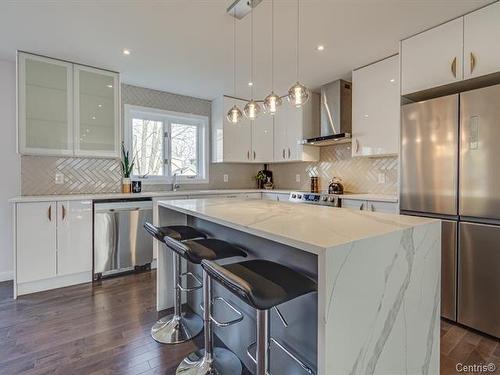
179, 327
210, 361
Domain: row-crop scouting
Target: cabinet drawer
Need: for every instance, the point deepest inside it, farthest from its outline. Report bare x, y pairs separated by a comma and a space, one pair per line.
387, 207
353, 204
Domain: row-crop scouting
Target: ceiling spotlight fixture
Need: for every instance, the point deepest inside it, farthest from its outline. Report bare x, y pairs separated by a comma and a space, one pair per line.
126, 51
320, 47
234, 115
252, 108
298, 94
272, 101
393, 80
110, 86
250, 83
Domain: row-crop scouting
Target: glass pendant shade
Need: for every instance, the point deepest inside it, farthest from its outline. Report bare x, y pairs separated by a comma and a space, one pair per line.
252, 109
298, 95
271, 103
234, 115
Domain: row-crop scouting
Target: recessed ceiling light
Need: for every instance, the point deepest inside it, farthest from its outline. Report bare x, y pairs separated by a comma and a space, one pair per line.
93, 117
320, 47
393, 80
250, 83
126, 51
365, 116
99, 105
110, 86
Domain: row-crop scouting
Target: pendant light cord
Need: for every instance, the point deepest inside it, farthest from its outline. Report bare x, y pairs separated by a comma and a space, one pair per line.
234, 51
272, 45
298, 34
252, 51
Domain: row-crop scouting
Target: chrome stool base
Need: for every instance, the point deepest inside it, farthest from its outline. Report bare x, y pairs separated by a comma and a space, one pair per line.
174, 329
224, 362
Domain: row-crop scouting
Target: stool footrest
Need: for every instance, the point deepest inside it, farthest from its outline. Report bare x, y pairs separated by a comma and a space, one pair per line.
196, 278
231, 306
252, 347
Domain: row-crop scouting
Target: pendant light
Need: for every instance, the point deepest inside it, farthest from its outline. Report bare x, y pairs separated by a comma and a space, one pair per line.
298, 94
252, 108
272, 101
234, 114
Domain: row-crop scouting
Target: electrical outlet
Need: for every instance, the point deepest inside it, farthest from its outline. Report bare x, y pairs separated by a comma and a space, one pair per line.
297, 178
381, 178
226, 178
59, 179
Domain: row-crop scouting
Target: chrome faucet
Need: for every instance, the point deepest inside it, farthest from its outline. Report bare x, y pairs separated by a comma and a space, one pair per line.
175, 185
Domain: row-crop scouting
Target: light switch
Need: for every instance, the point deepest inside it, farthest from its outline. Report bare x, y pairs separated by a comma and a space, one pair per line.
59, 178
297, 178
381, 178
226, 178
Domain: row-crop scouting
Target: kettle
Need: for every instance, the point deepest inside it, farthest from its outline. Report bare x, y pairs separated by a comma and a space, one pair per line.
335, 186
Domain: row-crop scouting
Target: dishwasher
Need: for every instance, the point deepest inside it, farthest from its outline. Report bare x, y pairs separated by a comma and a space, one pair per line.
120, 242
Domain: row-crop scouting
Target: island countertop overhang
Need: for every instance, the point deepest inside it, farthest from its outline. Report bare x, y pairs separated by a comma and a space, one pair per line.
314, 229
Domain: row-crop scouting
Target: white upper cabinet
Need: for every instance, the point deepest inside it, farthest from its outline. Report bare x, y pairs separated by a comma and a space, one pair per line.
376, 108
481, 36
67, 109
262, 138
96, 112
231, 142
432, 58
291, 125
45, 106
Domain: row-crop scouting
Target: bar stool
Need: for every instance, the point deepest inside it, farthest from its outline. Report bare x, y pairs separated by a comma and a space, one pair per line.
211, 360
263, 285
178, 327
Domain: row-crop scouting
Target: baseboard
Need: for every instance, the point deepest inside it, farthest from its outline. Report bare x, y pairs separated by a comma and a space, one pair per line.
53, 283
6, 275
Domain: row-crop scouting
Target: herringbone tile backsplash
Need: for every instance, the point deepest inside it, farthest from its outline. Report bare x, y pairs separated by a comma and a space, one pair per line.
80, 175
359, 175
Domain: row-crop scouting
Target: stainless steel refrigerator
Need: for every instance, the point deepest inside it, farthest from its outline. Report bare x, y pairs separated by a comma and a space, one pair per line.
450, 169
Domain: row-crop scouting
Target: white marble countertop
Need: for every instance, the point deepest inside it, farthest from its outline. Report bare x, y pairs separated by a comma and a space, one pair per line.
307, 227
156, 194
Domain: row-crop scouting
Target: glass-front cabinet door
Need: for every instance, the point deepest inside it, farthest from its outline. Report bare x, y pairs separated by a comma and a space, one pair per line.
97, 125
45, 88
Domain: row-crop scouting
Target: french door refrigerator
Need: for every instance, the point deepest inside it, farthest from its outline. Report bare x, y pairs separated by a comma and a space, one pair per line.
450, 169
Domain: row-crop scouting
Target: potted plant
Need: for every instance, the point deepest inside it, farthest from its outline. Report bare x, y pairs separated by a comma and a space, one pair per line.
127, 166
261, 179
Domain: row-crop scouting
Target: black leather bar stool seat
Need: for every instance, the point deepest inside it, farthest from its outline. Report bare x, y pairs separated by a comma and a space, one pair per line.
177, 232
177, 327
208, 248
261, 283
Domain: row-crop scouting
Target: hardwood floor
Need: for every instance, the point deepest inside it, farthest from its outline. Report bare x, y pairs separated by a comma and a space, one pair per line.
104, 329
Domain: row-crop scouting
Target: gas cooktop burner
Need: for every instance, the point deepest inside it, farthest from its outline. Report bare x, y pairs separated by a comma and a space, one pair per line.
315, 198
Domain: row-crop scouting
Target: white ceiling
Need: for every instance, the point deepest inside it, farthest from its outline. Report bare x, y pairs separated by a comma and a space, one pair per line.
185, 46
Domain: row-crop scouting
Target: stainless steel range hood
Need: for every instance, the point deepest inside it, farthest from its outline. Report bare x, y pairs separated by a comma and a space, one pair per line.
336, 115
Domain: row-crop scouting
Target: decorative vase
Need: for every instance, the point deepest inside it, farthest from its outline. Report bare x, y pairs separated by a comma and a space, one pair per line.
126, 185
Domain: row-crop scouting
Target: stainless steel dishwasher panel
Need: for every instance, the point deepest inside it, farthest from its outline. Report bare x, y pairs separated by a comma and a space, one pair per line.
120, 242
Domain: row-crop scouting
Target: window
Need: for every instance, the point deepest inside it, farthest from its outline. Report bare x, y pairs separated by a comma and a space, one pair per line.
166, 143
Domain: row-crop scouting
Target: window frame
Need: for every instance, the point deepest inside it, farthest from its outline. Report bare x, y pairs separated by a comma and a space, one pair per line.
169, 117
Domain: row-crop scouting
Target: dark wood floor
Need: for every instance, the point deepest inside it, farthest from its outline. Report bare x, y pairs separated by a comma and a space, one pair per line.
104, 329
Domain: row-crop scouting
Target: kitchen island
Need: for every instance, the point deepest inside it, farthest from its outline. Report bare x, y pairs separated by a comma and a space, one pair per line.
378, 303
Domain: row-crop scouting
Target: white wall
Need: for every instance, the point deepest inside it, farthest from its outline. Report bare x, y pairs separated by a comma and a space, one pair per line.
10, 185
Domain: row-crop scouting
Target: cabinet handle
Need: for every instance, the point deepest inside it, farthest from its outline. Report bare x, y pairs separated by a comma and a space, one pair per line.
49, 213
373, 208
356, 145
288, 153
454, 67
248, 155
63, 212
361, 207
254, 155
283, 153
472, 62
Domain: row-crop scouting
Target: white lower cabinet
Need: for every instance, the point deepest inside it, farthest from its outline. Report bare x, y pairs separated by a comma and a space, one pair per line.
279, 197
74, 237
354, 204
36, 241
53, 245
